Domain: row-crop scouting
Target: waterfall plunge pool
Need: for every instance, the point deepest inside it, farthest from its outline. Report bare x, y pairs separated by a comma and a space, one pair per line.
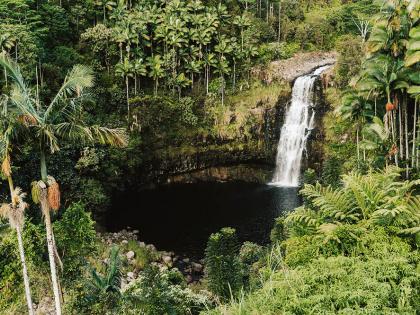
181, 217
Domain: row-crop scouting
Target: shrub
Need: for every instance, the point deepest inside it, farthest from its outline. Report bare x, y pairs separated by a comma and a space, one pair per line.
309, 176
337, 285
75, 235
331, 170
11, 280
223, 267
250, 254
278, 232
100, 292
158, 292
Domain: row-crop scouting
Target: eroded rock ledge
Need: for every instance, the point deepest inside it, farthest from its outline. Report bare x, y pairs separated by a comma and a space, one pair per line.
289, 69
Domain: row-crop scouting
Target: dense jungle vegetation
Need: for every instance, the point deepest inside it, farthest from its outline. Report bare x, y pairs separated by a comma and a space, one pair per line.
93, 92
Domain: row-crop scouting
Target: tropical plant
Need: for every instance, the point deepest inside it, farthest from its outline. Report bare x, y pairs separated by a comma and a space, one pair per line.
378, 197
110, 281
223, 267
50, 125
14, 212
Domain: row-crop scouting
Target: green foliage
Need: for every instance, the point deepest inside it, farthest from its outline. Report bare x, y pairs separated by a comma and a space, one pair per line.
349, 61
310, 176
158, 292
100, 292
278, 232
11, 269
337, 285
143, 255
331, 170
76, 240
223, 267
345, 254
275, 51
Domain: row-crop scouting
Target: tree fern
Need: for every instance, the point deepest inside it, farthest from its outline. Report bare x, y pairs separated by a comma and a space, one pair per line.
335, 204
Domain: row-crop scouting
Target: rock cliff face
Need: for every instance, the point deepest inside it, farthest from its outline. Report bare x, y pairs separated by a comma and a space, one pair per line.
252, 159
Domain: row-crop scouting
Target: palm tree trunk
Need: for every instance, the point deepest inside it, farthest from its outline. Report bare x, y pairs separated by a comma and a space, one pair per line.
400, 128
128, 98
22, 256
50, 238
234, 74
24, 271
223, 90
357, 144
207, 79
278, 37
413, 152
50, 246
407, 154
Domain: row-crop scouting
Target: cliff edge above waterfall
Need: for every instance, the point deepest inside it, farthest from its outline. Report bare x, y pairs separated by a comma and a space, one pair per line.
289, 69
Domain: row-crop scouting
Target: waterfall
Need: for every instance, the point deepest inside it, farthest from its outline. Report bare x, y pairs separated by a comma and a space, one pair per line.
297, 127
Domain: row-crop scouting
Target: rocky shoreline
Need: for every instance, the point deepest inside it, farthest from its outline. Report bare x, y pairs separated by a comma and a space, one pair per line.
192, 270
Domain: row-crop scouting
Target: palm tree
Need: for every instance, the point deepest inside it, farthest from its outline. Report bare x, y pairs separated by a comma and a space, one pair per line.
156, 71
139, 70
7, 41
357, 109
14, 212
125, 70
50, 125
242, 21
385, 75
223, 47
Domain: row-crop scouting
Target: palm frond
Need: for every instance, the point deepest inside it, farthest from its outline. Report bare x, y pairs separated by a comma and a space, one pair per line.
79, 78
116, 137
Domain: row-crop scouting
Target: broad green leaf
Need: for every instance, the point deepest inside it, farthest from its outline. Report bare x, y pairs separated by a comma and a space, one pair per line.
412, 59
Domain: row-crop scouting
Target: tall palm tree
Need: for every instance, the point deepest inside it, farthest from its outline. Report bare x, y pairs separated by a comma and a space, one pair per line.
11, 131
357, 109
125, 70
14, 212
155, 64
50, 125
7, 41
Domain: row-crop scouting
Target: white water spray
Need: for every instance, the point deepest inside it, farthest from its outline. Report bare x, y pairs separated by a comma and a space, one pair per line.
296, 129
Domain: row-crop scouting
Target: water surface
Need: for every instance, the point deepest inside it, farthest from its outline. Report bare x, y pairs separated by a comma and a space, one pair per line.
180, 217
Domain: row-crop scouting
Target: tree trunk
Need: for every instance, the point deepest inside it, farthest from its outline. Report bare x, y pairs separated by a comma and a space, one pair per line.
357, 144
128, 98
207, 80
407, 154
25, 272
22, 255
413, 152
50, 238
400, 128
50, 245
278, 38
223, 90
234, 74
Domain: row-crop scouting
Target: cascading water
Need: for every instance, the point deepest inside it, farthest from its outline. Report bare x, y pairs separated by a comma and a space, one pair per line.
295, 131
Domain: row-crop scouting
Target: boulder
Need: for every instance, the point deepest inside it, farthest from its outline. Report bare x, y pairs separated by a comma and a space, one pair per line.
197, 267
130, 255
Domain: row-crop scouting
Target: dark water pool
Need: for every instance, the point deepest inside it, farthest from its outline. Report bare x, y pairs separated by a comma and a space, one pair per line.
180, 217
